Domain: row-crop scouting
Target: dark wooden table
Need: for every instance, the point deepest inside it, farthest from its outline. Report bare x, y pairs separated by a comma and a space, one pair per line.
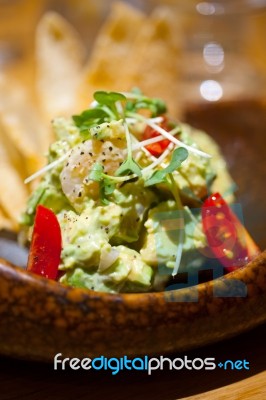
37, 381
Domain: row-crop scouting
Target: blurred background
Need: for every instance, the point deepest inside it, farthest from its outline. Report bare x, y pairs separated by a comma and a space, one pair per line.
222, 42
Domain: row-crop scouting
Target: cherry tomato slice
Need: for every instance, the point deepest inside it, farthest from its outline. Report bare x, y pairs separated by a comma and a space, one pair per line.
156, 149
228, 240
46, 244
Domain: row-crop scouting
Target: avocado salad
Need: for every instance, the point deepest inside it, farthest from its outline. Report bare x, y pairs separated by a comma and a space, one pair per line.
118, 206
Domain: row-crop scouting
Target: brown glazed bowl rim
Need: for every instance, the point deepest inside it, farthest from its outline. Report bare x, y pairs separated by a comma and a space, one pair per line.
59, 288
78, 322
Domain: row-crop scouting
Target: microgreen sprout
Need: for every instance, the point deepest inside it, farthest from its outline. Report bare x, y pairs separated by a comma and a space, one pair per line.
107, 106
104, 110
168, 135
181, 235
109, 100
97, 175
179, 155
107, 183
129, 165
106, 186
136, 101
89, 118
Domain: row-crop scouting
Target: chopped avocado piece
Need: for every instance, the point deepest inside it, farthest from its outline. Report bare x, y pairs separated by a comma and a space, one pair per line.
134, 202
83, 239
66, 130
192, 178
88, 280
86, 235
49, 195
139, 273
128, 271
223, 183
108, 130
162, 238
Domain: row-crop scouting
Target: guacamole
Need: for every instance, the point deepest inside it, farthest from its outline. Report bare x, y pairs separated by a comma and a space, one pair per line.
126, 184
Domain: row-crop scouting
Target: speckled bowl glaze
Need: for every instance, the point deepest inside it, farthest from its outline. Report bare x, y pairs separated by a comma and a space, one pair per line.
40, 318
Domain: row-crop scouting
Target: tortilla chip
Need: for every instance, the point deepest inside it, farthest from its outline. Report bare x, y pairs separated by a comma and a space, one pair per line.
153, 64
105, 69
21, 129
59, 55
12, 132
13, 192
5, 223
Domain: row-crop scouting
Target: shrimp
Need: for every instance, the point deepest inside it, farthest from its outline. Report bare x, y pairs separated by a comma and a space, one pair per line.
75, 174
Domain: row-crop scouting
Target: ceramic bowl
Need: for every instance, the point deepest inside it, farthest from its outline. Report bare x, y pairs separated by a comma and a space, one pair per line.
40, 318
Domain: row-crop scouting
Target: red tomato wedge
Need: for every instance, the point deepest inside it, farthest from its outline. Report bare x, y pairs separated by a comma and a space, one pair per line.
228, 239
156, 149
46, 244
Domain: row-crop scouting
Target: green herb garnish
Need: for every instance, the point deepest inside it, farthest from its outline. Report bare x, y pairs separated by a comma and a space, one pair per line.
108, 98
106, 185
89, 118
129, 165
106, 109
179, 155
137, 101
107, 102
